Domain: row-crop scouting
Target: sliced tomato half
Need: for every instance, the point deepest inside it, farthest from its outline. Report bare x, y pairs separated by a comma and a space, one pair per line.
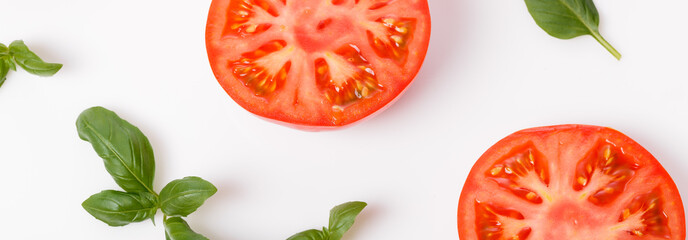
569, 182
316, 63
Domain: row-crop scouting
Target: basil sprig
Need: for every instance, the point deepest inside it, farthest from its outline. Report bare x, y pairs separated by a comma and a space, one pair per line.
19, 54
128, 157
342, 217
566, 19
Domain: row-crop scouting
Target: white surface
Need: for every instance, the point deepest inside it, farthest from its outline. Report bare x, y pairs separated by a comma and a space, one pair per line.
490, 71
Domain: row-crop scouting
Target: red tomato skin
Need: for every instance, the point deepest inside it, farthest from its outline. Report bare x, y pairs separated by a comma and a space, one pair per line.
354, 114
466, 215
318, 128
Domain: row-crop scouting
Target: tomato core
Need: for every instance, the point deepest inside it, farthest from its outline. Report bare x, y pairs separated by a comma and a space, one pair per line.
319, 32
577, 221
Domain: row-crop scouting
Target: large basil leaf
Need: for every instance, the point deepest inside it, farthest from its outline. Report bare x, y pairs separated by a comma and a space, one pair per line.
308, 235
126, 152
342, 217
177, 229
183, 196
30, 62
4, 69
120, 208
567, 19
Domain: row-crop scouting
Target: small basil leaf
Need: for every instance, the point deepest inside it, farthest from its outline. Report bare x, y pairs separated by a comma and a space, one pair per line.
308, 235
4, 69
120, 208
4, 50
342, 218
567, 19
30, 62
8, 59
126, 152
183, 196
326, 233
177, 229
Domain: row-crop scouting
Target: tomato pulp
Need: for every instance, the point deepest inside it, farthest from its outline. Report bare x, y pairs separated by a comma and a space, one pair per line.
316, 64
569, 182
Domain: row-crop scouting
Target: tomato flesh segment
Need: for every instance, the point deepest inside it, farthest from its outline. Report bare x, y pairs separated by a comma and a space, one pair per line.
248, 17
520, 170
496, 223
605, 172
346, 76
265, 69
645, 216
391, 38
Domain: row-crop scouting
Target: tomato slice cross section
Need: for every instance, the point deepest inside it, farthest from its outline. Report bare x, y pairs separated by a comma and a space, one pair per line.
572, 182
316, 64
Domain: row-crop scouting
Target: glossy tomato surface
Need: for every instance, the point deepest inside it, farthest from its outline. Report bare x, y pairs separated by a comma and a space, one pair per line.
316, 63
569, 182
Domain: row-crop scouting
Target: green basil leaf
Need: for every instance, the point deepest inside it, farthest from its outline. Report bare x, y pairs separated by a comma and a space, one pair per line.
4, 50
126, 152
120, 208
8, 59
4, 69
342, 218
567, 19
30, 62
177, 229
308, 235
183, 196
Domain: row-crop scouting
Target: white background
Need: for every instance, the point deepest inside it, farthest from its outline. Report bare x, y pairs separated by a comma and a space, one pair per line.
490, 71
